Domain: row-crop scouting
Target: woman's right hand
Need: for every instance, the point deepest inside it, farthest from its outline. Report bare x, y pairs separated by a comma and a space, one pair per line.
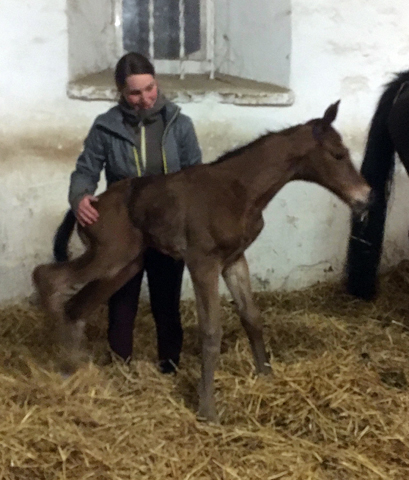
86, 214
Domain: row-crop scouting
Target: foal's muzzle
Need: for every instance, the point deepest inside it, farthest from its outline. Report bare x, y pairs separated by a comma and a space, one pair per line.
361, 206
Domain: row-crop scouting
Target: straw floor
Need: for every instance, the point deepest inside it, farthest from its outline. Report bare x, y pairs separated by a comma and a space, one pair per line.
336, 407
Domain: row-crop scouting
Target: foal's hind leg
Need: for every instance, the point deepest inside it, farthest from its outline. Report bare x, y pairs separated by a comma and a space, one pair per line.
54, 287
237, 278
83, 303
99, 291
56, 283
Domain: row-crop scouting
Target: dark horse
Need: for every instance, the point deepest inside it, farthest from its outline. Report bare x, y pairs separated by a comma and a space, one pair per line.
208, 215
388, 133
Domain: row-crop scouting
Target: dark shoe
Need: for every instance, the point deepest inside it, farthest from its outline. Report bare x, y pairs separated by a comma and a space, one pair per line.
168, 366
109, 357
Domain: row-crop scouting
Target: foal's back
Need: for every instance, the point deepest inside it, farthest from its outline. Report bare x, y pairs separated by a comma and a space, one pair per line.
201, 206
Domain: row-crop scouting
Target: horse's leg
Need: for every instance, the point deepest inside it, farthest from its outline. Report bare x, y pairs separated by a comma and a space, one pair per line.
237, 278
206, 281
99, 291
52, 282
56, 283
71, 325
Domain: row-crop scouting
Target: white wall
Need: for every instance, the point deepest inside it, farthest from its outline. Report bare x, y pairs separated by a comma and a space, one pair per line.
254, 42
343, 49
92, 47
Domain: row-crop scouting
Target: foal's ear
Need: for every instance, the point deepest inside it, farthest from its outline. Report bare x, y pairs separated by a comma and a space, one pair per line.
320, 126
330, 114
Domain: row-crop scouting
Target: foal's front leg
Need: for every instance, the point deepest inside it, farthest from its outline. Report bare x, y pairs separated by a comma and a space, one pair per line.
237, 278
206, 280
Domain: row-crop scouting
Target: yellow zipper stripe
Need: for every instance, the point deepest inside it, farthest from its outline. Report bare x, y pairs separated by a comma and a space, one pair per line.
143, 145
165, 162
138, 166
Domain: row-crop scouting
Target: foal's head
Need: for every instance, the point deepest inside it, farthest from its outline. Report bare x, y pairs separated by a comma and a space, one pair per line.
328, 163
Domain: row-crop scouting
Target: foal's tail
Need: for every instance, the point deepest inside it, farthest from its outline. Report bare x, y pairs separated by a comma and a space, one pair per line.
62, 237
365, 243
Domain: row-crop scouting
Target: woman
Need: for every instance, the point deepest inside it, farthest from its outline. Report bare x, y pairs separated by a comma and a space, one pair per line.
144, 134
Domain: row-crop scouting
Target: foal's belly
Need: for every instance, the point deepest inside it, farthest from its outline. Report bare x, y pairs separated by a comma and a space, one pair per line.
231, 244
169, 241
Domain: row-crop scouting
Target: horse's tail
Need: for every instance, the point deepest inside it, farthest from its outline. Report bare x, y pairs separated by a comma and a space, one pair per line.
62, 237
365, 243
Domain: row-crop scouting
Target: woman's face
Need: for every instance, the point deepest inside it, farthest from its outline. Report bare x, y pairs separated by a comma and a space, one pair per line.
140, 91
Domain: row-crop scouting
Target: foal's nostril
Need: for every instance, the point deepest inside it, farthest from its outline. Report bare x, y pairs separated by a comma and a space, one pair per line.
359, 207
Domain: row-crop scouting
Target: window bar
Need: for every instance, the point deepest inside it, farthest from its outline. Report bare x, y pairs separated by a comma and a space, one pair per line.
117, 14
210, 36
182, 38
151, 31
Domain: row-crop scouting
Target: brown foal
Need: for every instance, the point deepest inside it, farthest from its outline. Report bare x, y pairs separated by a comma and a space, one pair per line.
208, 215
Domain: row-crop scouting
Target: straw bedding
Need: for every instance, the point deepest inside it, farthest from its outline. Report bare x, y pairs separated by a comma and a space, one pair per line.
335, 408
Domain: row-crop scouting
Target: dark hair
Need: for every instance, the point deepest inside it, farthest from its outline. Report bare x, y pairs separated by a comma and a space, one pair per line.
132, 63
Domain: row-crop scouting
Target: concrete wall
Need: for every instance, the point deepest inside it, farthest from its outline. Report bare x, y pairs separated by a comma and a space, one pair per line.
344, 49
91, 45
255, 42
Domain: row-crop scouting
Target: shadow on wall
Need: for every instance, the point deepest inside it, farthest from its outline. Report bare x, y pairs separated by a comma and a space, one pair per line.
49, 144
64, 145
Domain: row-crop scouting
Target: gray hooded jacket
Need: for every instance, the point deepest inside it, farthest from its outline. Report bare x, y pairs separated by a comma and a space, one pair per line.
111, 145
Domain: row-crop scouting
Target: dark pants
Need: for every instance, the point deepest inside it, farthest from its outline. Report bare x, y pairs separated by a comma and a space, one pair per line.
165, 282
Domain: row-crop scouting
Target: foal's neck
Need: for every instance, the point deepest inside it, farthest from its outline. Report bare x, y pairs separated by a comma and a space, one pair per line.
265, 166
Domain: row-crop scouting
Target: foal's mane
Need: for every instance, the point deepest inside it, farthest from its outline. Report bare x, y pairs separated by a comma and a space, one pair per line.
254, 143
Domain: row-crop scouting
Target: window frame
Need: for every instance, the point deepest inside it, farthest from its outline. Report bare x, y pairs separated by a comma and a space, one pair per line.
95, 44
194, 63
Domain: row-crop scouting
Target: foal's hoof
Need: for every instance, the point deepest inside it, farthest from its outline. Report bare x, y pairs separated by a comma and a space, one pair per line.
208, 414
264, 369
67, 369
67, 365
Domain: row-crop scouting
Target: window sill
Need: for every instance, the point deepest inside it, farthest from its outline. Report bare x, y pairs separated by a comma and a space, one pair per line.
194, 88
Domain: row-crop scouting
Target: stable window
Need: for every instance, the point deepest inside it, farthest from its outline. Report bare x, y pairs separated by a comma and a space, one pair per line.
173, 34
237, 51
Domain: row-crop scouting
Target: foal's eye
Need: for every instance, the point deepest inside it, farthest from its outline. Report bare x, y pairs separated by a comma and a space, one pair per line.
339, 156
